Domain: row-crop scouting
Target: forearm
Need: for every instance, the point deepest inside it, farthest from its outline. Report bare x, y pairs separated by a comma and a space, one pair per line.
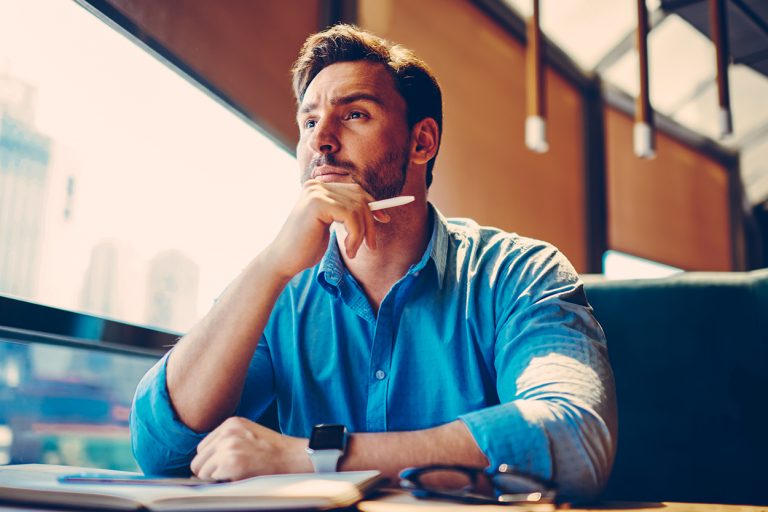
391, 452
207, 368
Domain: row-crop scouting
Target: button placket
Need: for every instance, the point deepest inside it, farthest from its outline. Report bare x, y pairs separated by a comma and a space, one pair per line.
381, 355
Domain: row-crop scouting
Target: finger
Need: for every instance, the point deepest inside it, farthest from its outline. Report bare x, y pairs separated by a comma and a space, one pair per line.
207, 470
360, 215
344, 210
350, 190
220, 474
355, 232
370, 229
348, 187
204, 455
200, 460
210, 438
381, 216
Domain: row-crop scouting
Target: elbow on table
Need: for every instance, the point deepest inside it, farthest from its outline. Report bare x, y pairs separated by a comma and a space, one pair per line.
583, 469
156, 461
154, 458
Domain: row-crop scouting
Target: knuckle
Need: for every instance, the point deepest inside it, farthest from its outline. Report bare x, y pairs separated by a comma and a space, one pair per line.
232, 420
315, 194
236, 421
228, 431
230, 443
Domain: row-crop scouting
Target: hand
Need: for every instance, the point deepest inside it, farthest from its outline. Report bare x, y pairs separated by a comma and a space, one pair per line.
240, 448
303, 239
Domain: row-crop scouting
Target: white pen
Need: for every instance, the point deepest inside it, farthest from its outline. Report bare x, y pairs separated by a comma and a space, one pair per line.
390, 203
381, 205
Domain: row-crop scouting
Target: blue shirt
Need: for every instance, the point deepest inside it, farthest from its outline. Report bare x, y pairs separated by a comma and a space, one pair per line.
488, 327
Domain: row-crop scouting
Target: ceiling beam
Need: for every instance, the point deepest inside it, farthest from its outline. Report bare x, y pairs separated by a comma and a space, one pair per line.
673, 5
754, 17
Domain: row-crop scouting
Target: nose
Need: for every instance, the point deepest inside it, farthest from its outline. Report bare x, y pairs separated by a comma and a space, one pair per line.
324, 137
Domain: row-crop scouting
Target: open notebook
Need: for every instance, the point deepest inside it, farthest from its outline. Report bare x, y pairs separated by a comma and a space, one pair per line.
39, 484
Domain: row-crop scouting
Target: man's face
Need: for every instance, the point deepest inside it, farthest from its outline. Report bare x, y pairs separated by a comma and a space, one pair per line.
353, 129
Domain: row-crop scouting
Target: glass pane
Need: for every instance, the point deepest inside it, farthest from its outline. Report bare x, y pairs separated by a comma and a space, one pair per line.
124, 189
585, 29
748, 92
624, 74
65, 405
672, 45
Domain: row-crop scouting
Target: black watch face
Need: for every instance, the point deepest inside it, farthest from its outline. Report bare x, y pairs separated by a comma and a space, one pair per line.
328, 437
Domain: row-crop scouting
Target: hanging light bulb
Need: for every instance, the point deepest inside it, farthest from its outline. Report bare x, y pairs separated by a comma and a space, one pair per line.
644, 133
535, 121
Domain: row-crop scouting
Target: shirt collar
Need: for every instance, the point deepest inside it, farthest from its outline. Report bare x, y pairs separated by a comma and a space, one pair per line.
439, 243
332, 267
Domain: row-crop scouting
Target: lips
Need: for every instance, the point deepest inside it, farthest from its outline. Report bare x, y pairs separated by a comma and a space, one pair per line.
328, 172
327, 178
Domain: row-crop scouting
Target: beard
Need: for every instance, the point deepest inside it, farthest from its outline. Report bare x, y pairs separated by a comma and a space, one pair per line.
382, 179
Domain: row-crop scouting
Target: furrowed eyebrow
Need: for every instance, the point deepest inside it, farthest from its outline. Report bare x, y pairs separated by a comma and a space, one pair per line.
360, 96
344, 100
306, 109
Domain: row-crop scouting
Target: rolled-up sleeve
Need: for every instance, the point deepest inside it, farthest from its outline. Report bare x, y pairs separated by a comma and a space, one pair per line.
557, 413
162, 444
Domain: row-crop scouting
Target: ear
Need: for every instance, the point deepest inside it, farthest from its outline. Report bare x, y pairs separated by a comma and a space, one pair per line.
425, 138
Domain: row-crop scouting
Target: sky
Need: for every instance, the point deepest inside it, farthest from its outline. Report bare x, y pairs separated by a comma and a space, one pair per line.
158, 163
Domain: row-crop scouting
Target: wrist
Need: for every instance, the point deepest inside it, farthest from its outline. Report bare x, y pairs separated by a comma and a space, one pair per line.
327, 446
296, 458
269, 263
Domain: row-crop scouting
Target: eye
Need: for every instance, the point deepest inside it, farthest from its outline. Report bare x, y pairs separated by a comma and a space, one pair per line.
310, 123
356, 114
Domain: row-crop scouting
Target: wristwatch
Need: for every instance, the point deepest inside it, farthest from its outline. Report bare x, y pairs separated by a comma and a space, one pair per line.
326, 447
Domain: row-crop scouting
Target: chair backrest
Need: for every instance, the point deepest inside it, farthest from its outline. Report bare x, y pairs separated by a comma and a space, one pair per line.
690, 357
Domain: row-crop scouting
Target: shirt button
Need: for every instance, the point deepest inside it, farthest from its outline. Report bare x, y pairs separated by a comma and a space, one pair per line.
380, 374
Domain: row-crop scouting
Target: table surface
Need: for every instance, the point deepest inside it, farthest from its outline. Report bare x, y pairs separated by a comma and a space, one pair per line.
401, 501
398, 501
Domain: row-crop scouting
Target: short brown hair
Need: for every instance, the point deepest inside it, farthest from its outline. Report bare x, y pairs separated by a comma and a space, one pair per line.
344, 43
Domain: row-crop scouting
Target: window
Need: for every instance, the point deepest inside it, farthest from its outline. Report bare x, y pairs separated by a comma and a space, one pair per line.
125, 191
63, 404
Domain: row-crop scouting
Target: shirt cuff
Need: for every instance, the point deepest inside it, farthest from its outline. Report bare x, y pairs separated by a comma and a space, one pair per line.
512, 434
162, 444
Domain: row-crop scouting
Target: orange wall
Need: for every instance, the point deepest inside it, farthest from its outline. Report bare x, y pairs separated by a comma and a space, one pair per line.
673, 209
484, 170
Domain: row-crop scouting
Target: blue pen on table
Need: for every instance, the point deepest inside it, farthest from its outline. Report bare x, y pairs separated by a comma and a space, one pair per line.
97, 479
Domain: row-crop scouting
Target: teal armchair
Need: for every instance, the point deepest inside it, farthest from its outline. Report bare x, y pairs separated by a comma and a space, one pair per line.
690, 357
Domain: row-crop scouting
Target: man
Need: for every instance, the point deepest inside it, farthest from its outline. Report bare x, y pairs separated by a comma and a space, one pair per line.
432, 341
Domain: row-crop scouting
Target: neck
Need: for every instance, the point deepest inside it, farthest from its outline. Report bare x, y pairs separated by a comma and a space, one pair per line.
401, 243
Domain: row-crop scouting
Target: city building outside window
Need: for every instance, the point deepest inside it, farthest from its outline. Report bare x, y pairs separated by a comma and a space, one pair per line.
125, 192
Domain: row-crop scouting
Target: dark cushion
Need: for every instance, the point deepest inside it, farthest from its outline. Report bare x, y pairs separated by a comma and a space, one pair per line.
690, 357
